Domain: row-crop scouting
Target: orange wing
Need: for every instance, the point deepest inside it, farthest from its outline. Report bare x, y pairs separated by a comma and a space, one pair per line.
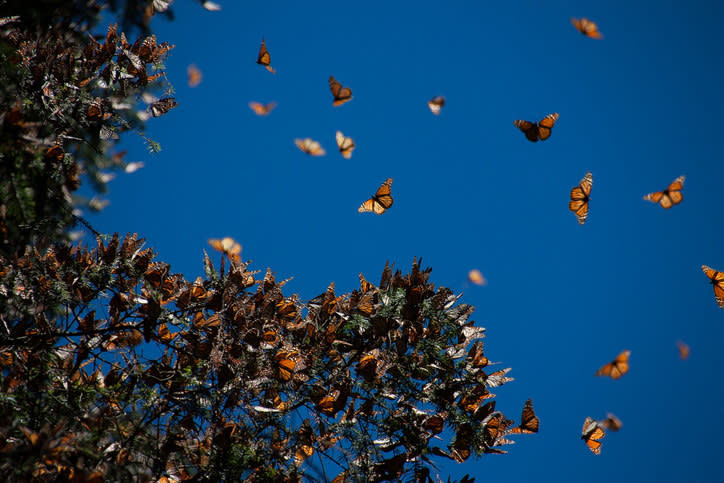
194, 75
683, 350
545, 126
591, 433
264, 58
345, 145
380, 202
580, 196
476, 277
341, 94
587, 27
717, 280
616, 368
670, 196
435, 104
529, 422
262, 109
612, 422
535, 131
530, 129
310, 146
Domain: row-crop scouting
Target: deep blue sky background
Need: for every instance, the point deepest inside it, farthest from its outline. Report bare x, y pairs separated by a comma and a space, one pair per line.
638, 108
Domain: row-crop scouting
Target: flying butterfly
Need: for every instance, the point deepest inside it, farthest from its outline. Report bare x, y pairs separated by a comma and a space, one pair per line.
345, 145
262, 109
341, 94
529, 422
193, 75
611, 422
475, 276
310, 146
264, 58
617, 367
162, 106
670, 196
540, 130
380, 202
717, 280
591, 433
579, 198
683, 350
435, 104
587, 27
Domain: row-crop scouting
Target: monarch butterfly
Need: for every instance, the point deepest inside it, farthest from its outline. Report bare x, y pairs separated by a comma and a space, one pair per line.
591, 433
95, 110
380, 202
670, 196
264, 58
529, 422
194, 75
345, 145
435, 104
310, 146
162, 106
717, 280
617, 367
579, 198
683, 350
611, 422
227, 246
587, 27
476, 277
262, 109
537, 130
341, 94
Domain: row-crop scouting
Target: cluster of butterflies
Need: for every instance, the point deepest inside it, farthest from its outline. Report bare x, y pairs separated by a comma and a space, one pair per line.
593, 430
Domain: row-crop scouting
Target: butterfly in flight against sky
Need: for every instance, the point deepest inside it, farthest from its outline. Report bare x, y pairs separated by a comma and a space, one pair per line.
345, 145
617, 367
611, 422
579, 198
717, 280
194, 75
262, 109
380, 202
310, 146
670, 196
264, 58
529, 422
591, 433
587, 27
537, 130
476, 277
435, 104
683, 350
341, 94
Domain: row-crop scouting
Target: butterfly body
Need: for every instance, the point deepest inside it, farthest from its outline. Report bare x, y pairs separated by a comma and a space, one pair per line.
380, 202
580, 196
535, 131
670, 196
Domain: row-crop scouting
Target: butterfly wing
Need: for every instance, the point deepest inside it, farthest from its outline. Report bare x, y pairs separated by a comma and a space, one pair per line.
529, 422
380, 202
162, 106
528, 128
591, 433
194, 75
580, 197
674, 190
261, 109
341, 94
616, 368
435, 104
587, 27
717, 280
546, 125
310, 146
345, 145
264, 58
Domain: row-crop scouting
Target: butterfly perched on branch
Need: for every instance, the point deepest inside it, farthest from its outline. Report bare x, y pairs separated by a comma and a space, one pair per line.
540, 130
162, 106
380, 202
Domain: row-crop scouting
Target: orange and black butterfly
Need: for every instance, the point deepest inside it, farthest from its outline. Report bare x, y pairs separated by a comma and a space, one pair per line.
611, 422
262, 109
264, 58
617, 367
435, 104
345, 145
587, 27
591, 433
540, 130
310, 146
476, 276
529, 422
580, 196
670, 196
380, 202
341, 94
162, 106
194, 75
717, 280
683, 350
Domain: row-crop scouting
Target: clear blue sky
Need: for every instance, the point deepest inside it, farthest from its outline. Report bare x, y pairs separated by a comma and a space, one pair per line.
637, 108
